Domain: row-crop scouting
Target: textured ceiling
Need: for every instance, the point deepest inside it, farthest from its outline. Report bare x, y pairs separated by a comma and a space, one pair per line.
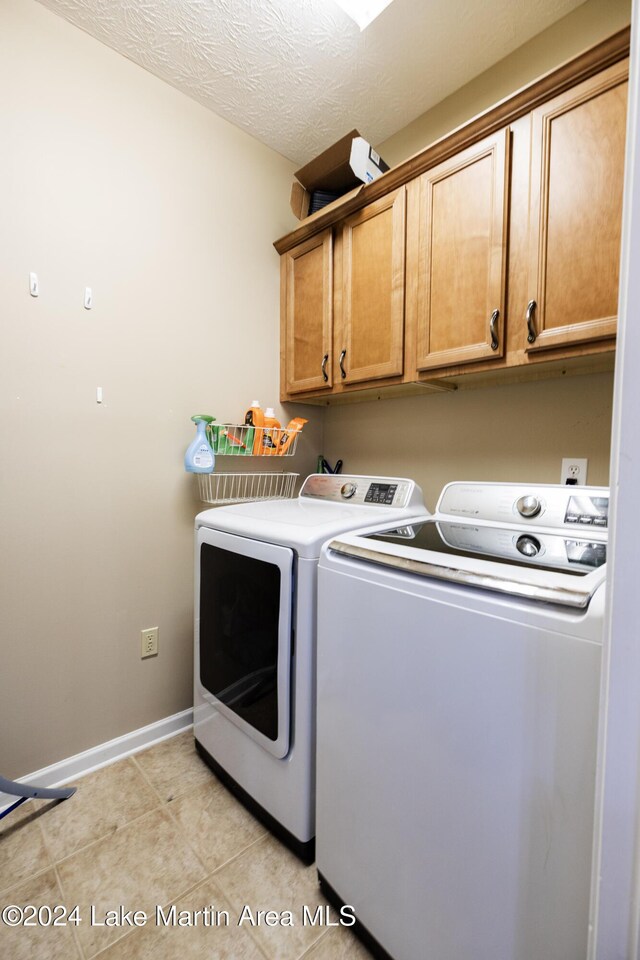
298, 74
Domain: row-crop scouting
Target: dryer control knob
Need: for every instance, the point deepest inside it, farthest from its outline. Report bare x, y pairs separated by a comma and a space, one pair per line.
528, 546
528, 506
347, 490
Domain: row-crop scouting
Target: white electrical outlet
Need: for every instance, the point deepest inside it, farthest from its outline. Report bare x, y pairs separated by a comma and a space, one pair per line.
149, 642
574, 471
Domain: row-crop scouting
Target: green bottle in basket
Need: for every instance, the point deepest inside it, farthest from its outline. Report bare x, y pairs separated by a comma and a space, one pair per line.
199, 457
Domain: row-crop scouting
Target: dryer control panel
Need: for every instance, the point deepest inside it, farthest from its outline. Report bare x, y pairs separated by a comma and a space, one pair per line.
366, 491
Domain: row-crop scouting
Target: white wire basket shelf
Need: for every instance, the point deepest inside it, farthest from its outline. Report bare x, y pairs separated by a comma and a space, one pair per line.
220, 488
242, 440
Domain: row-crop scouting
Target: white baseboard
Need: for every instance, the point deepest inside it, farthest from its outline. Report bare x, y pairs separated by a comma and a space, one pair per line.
58, 774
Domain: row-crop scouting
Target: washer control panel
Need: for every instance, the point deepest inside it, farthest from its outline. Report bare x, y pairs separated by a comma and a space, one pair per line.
588, 511
539, 505
367, 491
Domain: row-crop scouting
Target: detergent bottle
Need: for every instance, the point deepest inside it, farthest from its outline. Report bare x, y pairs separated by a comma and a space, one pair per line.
271, 433
199, 457
254, 417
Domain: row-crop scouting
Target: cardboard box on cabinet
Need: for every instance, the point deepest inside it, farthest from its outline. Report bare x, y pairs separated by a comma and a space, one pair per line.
346, 165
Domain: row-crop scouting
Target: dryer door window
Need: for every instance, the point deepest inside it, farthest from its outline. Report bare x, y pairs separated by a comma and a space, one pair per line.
245, 637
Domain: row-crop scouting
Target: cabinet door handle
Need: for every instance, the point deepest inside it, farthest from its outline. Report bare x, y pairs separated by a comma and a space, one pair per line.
343, 372
325, 375
531, 336
493, 329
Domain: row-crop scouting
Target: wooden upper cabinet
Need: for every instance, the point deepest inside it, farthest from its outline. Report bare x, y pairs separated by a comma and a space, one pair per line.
577, 174
406, 279
307, 314
461, 256
371, 339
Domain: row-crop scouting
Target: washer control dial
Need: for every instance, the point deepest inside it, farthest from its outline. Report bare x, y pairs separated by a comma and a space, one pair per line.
528, 506
528, 546
348, 489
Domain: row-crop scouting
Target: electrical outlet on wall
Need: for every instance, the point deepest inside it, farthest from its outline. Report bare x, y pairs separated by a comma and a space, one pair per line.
149, 642
574, 471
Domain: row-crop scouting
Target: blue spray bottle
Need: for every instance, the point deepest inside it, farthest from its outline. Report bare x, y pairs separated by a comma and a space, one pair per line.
199, 457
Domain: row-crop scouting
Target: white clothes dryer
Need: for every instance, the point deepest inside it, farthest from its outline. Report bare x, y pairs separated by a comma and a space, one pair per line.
458, 695
255, 638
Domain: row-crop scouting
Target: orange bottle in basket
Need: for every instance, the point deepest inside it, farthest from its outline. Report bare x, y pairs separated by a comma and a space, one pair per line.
254, 417
271, 433
289, 434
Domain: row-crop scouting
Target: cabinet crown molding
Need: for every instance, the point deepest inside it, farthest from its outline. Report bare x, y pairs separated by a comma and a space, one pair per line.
523, 101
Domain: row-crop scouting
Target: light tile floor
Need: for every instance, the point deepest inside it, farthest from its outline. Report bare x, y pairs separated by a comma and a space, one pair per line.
157, 830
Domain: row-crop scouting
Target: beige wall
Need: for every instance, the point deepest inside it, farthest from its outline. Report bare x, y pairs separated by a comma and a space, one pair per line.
585, 26
514, 432
112, 179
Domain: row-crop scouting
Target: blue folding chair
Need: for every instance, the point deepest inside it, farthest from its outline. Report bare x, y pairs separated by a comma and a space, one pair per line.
27, 792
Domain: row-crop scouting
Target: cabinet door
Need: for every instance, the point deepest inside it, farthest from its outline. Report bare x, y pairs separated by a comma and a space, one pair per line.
577, 172
308, 314
462, 241
372, 328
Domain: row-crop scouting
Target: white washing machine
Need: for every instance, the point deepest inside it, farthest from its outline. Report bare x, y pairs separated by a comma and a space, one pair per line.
458, 694
255, 638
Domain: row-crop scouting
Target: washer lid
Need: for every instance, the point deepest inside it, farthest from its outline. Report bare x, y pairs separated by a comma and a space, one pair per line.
545, 566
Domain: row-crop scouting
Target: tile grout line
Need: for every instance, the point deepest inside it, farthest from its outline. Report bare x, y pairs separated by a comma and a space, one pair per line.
239, 853
262, 949
178, 896
252, 931
163, 805
32, 876
105, 836
147, 779
74, 929
231, 900
313, 946
45, 842
131, 933
183, 834
39, 872
260, 839
167, 804
211, 875
163, 800
174, 900
53, 860
124, 936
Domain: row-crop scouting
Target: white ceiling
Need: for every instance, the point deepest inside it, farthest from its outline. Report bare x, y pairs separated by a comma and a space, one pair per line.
298, 74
